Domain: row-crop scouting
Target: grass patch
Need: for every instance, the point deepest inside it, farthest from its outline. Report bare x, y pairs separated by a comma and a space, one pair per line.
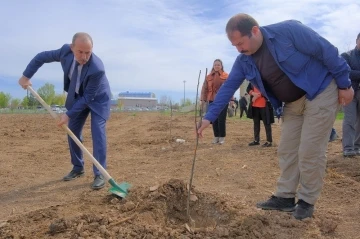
340, 116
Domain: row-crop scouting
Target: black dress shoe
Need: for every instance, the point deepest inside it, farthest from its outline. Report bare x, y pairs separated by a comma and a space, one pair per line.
277, 203
254, 143
303, 210
267, 144
73, 174
98, 183
349, 153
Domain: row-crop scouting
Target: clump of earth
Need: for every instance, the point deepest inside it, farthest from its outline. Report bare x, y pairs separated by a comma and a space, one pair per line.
155, 212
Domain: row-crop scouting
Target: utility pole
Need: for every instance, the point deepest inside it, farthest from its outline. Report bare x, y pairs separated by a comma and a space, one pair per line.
184, 92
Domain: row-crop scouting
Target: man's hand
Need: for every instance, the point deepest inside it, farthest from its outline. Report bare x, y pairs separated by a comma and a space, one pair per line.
346, 96
204, 124
64, 119
24, 82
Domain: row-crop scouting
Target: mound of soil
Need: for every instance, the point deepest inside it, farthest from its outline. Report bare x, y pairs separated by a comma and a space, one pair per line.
158, 212
230, 179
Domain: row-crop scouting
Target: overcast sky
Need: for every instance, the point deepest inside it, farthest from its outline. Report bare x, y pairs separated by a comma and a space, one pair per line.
151, 45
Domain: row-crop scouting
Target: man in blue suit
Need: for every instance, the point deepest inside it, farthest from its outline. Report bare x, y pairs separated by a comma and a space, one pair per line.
88, 92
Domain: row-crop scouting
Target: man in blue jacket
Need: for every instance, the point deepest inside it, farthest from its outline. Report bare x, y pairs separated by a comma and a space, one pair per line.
88, 92
303, 76
351, 122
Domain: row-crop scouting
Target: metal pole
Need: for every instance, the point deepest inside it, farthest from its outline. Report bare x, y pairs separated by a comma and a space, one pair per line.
184, 93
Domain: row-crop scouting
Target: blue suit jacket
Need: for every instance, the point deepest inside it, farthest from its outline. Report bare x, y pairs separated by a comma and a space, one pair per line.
94, 90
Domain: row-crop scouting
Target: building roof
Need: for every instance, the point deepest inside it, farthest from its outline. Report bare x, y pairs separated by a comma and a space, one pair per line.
137, 94
136, 98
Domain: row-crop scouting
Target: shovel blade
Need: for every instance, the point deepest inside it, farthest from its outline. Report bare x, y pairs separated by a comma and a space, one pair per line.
120, 190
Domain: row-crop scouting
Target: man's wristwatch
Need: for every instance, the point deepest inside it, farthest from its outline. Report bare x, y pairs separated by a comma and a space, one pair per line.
345, 88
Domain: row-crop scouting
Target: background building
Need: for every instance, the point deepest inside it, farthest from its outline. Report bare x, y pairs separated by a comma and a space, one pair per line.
137, 99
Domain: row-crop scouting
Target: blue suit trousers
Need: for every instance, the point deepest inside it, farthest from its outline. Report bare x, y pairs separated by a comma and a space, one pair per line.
98, 132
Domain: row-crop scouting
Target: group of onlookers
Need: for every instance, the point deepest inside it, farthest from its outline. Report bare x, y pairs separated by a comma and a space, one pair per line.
258, 109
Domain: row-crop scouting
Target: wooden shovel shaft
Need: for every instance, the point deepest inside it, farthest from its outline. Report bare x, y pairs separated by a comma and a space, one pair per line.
70, 133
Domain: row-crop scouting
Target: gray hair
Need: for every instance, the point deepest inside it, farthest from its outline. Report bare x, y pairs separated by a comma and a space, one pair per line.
84, 37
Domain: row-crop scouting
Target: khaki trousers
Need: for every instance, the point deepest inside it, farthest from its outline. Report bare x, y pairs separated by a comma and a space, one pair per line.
305, 134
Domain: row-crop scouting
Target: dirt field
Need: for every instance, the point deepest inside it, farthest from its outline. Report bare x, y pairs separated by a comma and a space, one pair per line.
229, 179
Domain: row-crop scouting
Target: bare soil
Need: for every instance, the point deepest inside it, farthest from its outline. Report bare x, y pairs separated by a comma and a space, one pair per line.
228, 181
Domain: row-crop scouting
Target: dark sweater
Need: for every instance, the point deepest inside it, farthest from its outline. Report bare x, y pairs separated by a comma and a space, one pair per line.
353, 60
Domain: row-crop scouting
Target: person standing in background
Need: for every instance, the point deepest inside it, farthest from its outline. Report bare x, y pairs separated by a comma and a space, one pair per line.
211, 86
259, 111
243, 105
351, 122
236, 102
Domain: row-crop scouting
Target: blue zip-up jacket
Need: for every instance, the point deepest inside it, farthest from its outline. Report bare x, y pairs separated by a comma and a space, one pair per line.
308, 59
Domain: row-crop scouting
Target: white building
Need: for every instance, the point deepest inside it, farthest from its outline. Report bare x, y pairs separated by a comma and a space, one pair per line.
137, 99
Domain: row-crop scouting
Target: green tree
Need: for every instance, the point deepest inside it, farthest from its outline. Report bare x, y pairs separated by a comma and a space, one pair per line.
29, 101
47, 92
25, 102
59, 99
176, 106
15, 103
187, 102
4, 99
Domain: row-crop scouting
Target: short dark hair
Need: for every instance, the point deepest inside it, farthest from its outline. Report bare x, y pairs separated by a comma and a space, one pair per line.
358, 36
241, 22
83, 35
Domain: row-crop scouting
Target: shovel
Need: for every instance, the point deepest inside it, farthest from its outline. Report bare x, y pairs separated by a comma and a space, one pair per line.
120, 190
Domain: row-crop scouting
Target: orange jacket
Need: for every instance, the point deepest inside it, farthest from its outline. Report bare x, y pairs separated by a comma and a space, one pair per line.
259, 102
212, 85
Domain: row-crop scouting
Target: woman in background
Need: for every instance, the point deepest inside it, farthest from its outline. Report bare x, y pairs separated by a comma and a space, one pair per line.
209, 90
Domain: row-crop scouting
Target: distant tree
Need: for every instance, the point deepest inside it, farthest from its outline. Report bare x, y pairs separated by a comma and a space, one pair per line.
59, 99
4, 99
187, 102
176, 106
47, 92
165, 100
25, 102
15, 103
29, 102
